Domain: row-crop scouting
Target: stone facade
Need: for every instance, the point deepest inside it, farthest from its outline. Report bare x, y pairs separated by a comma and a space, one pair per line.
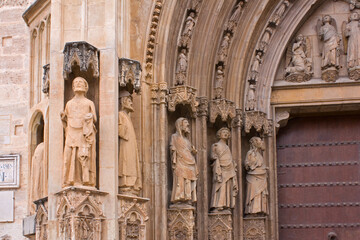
147, 64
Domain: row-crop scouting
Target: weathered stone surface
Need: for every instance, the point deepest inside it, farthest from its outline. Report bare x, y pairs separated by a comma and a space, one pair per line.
7, 206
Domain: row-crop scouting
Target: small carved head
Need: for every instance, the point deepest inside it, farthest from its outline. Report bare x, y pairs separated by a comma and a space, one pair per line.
326, 19
182, 126
223, 133
126, 101
79, 84
257, 143
354, 16
300, 38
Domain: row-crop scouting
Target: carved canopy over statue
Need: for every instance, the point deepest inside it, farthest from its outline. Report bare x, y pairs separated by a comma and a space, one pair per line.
225, 186
185, 172
129, 163
78, 120
256, 179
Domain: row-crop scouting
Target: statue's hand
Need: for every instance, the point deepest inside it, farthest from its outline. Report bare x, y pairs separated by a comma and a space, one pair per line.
88, 116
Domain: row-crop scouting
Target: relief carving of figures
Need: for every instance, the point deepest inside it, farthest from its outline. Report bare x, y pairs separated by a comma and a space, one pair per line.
219, 81
276, 18
256, 178
181, 68
224, 47
39, 173
251, 98
265, 39
185, 172
225, 186
78, 120
351, 32
300, 66
331, 46
129, 163
256, 65
236, 15
187, 33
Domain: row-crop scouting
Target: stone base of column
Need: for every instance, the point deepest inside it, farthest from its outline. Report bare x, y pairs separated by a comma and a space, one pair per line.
181, 222
80, 213
220, 225
254, 228
133, 214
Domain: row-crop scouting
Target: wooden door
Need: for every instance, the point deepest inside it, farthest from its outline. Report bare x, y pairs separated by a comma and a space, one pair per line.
318, 178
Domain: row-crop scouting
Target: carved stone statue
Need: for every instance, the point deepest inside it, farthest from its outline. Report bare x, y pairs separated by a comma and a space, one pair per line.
78, 120
39, 173
185, 172
256, 179
352, 33
276, 18
251, 99
189, 26
223, 51
219, 82
181, 68
256, 65
265, 38
225, 186
236, 15
129, 164
331, 42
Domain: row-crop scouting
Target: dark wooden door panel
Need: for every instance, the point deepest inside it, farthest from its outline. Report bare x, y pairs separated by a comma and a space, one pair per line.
319, 178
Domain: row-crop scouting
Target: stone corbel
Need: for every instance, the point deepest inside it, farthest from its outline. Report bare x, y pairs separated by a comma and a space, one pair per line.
203, 108
238, 119
83, 54
281, 118
130, 74
184, 95
258, 120
46, 79
222, 108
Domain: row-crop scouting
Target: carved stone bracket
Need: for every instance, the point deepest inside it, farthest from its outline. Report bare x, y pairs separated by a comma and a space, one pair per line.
238, 119
41, 219
181, 223
223, 108
159, 93
184, 95
258, 120
83, 54
254, 228
330, 74
133, 215
130, 74
46, 79
220, 226
203, 108
281, 118
79, 213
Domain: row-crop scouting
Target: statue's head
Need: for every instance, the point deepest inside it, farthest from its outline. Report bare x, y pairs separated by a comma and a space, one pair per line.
300, 38
79, 84
354, 16
326, 19
182, 126
257, 143
223, 133
126, 101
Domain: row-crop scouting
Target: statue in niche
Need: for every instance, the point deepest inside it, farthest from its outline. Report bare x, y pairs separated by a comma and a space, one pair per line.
265, 38
256, 178
219, 82
181, 68
251, 100
79, 119
185, 172
187, 33
223, 51
39, 173
276, 18
225, 186
331, 46
236, 15
300, 67
129, 163
351, 32
256, 65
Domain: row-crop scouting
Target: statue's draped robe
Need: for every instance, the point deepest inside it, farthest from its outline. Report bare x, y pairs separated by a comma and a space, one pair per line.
184, 169
129, 164
256, 181
224, 188
80, 143
39, 173
353, 51
329, 36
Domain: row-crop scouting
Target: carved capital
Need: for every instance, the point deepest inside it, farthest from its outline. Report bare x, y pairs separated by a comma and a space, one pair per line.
133, 215
222, 108
254, 228
159, 93
46, 79
203, 106
130, 74
184, 95
181, 223
83, 54
238, 119
258, 120
220, 226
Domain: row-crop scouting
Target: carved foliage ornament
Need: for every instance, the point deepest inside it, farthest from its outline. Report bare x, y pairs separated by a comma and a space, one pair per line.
181, 224
130, 74
222, 108
254, 229
83, 54
220, 226
159, 93
257, 120
13, 3
184, 95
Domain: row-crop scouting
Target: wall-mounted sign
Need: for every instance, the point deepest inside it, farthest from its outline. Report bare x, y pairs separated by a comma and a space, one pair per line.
9, 171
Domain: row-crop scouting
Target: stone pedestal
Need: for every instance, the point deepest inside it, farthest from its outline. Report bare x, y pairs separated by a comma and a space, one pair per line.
181, 222
133, 214
354, 73
220, 225
330, 74
254, 228
80, 213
